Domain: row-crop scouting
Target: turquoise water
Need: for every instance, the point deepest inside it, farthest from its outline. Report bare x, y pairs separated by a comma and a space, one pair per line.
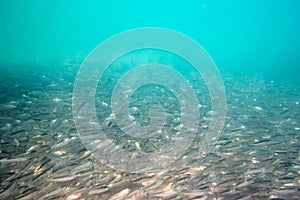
249, 36
46, 154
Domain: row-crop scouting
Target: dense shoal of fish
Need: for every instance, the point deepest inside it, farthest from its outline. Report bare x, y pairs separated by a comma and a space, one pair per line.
42, 156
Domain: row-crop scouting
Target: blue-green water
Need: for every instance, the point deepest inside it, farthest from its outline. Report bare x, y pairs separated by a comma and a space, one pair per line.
249, 36
256, 48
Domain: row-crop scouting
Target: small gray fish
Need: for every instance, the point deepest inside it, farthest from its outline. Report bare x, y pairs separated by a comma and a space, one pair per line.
13, 160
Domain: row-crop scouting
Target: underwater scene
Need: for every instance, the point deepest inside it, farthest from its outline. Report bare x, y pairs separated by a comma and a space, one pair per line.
139, 100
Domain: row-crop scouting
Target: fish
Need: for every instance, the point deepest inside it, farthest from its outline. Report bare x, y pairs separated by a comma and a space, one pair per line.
63, 143
42, 156
13, 160
97, 191
120, 195
62, 179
